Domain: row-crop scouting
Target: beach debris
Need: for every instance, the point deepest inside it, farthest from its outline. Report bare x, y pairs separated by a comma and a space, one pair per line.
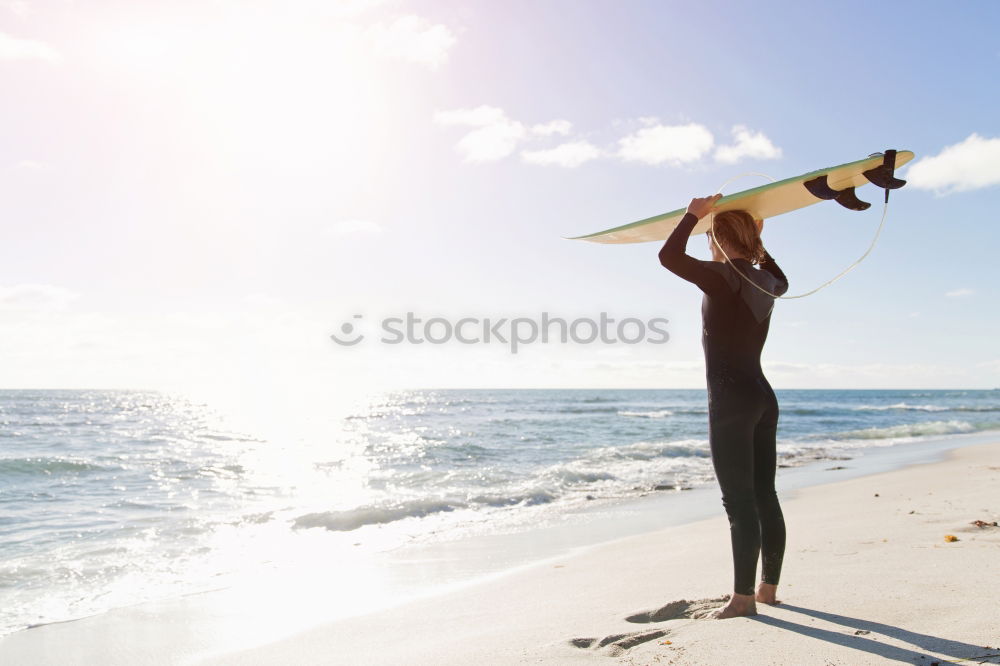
983, 523
876, 494
830, 469
861, 632
666, 642
950, 537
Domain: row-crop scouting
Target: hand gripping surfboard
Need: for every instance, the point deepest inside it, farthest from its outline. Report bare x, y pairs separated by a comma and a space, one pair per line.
835, 183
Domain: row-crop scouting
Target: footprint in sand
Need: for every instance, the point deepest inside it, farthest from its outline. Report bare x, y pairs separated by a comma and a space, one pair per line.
617, 644
682, 608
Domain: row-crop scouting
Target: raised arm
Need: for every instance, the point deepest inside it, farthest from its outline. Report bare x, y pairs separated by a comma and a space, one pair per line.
674, 256
769, 265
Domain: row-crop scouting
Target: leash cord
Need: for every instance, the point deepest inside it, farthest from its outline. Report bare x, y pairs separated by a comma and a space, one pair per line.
715, 241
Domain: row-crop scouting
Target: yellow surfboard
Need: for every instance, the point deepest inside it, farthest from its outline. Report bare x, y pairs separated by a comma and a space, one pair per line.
837, 183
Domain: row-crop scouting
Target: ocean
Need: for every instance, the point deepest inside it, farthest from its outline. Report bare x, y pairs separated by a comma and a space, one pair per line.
112, 498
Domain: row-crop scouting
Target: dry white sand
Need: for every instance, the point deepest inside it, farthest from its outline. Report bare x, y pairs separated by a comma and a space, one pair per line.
868, 578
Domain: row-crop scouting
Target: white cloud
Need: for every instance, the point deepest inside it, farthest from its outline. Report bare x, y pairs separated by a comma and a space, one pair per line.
959, 293
492, 142
353, 227
14, 48
415, 39
747, 144
571, 154
35, 297
496, 136
673, 144
561, 127
969, 165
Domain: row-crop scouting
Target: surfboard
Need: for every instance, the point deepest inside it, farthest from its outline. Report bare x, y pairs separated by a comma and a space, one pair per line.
837, 183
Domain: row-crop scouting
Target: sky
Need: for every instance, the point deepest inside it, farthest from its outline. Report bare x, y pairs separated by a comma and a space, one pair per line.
196, 195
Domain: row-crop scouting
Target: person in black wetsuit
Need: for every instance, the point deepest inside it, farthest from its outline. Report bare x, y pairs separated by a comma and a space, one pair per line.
742, 407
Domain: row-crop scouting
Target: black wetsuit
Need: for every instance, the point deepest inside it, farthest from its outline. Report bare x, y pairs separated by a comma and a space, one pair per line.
742, 408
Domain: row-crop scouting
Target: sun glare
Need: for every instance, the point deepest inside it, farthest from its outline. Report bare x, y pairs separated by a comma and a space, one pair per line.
265, 87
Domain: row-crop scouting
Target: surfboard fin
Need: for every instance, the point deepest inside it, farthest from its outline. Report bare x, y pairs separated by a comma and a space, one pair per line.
848, 199
883, 175
819, 188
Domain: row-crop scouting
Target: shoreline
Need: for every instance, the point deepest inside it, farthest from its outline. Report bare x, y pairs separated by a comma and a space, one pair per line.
422, 569
622, 449
589, 527
191, 628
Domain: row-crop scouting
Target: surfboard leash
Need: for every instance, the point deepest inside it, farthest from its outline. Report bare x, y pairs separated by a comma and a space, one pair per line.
882, 176
885, 209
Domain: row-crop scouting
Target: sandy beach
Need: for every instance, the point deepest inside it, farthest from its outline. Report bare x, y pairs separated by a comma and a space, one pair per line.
871, 576
433, 333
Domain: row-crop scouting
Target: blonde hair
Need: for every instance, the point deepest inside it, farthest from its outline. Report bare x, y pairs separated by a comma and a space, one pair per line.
737, 232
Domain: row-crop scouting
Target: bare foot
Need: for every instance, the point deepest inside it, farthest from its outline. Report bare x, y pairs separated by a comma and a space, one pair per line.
766, 594
739, 605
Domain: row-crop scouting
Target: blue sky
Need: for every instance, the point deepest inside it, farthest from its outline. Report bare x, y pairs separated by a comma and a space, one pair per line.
199, 194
